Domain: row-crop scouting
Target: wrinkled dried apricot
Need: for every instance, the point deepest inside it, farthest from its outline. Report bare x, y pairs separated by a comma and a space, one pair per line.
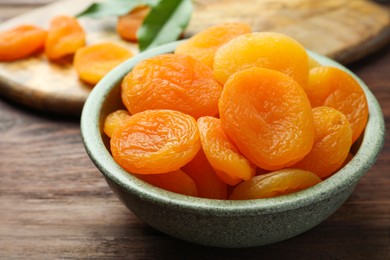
203, 45
65, 36
115, 120
175, 181
171, 81
274, 184
265, 49
93, 62
332, 141
333, 87
268, 117
155, 141
207, 183
222, 154
21, 42
128, 24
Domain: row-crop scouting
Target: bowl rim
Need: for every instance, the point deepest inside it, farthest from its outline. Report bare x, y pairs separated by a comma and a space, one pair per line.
346, 178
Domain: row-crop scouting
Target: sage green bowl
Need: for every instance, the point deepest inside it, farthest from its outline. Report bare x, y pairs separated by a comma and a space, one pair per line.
222, 223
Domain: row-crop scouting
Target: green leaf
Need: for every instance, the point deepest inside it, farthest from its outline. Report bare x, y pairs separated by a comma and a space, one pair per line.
113, 8
164, 23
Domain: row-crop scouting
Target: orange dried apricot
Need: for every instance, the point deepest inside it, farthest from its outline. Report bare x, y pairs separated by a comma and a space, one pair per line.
226, 178
274, 184
21, 42
333, 87
175, 181
332, 141
222, 154
65, 36
264, 49
268, 117
346, 161
203, 45
155, 141
207, 183
93, 62
171, 81
128, 24
115, 120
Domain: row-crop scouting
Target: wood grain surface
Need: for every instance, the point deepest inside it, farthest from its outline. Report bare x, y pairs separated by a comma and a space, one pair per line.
341, 29
54, 203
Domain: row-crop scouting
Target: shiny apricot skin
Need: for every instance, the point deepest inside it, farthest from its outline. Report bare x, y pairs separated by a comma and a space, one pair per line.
93, 62
128, 24
332, 142
275, 184
155, 142
207, 183
203, 45
175, 181
222, 154
333, 87
171, 81
262, 49
267, 115
231, 180
115, 120
65, 37
21, 42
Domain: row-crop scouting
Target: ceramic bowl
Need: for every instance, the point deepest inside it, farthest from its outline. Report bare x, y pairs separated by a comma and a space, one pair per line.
218, 222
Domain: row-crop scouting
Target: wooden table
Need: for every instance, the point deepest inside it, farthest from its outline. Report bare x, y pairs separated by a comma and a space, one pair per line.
54, 203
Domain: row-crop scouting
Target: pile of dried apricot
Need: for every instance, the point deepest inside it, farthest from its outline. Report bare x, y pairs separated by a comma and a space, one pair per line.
65, 38
236, 115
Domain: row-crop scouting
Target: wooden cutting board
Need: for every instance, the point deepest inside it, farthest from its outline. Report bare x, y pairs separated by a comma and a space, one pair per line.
344, 30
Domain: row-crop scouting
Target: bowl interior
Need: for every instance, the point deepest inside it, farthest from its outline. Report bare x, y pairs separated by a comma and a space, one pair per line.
105, 98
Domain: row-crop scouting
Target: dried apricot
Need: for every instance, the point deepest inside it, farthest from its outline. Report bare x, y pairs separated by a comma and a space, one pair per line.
175, 181
264, 49
207, 183
21, 42
65, 36
332, 141
346, 161
222, 154
268, 117
171, 81
93, 62
226, 178
156, 141
203, 45
274, 184
115, 120
128, 24
333, 87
